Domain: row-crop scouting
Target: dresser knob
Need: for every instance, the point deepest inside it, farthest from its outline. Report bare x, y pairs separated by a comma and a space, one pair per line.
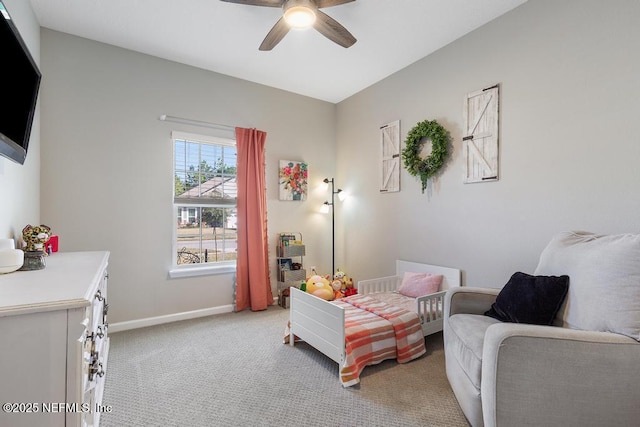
99, 296
99, 332
100, 372
94, 366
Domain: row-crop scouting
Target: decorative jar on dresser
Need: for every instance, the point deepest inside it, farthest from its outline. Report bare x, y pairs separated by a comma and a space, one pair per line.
54, 342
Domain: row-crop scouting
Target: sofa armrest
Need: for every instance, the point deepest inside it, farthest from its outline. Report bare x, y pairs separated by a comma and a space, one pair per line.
546, 375
469, 300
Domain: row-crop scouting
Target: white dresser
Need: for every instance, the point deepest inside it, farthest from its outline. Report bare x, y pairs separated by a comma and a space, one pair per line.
54, 342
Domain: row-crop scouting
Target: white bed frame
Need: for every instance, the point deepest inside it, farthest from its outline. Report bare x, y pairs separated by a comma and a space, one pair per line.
321, 324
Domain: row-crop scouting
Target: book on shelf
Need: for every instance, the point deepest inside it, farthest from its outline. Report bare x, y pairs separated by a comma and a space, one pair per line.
289, 240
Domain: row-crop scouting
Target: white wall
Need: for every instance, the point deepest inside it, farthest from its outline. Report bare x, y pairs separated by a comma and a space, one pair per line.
569, 146
20, 184
568, 152
107, 164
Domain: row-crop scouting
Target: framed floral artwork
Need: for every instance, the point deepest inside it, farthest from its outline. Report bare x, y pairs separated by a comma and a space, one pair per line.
293, 177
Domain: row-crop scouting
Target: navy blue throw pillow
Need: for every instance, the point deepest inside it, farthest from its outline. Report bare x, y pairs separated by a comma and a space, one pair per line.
530, 299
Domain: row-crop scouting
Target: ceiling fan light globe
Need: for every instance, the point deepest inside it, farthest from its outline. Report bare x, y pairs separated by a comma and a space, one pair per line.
299, 17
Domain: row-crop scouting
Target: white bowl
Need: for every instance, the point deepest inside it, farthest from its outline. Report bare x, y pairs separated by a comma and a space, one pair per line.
11, 260
7, 244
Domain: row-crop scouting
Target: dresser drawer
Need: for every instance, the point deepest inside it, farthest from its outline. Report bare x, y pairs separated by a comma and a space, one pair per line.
54, 340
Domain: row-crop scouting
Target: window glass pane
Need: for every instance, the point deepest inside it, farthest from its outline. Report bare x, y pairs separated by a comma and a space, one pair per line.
206, 235
205, 171
219, 235
189, 236
205, 191
211, 156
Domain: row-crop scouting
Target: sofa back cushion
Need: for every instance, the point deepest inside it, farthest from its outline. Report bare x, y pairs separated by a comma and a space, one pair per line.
604, 277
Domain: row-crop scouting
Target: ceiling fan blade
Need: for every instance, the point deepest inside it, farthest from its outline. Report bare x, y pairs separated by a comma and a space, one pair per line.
331, 29
275, 35
267, 3
329, 3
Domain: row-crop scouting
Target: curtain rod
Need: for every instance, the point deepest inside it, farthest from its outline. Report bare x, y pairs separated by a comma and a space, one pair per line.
166, 118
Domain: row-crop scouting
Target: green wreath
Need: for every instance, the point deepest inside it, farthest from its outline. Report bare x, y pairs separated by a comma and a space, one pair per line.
429, 166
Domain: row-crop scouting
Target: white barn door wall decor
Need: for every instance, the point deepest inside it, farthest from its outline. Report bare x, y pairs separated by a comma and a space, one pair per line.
480, 140
390, 157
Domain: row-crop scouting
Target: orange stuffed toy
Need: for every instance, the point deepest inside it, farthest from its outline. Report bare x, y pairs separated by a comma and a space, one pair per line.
320, 287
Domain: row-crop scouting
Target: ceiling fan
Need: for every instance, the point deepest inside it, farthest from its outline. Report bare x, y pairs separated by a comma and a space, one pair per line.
302, 14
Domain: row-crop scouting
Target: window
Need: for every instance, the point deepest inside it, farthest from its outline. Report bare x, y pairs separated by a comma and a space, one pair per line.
205, 194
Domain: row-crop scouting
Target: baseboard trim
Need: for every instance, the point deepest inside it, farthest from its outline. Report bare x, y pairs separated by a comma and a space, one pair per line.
168, 318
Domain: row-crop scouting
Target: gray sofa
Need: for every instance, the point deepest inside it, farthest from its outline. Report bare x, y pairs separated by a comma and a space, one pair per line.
583, 370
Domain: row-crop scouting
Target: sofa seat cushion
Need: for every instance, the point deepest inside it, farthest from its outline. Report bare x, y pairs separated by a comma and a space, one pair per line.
465, 336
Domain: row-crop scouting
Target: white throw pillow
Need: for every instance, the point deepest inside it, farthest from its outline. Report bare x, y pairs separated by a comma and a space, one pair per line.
604, 280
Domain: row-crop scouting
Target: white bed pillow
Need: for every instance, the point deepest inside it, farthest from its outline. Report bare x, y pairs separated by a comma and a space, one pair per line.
418, 284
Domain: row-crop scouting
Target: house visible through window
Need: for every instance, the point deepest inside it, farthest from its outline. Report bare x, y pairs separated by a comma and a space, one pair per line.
205, 194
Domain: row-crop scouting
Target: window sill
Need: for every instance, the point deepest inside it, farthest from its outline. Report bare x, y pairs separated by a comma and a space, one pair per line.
209, 270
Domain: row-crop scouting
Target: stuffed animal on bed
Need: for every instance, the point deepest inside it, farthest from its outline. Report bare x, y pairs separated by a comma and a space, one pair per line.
338, 284
349, 289
320, 287
337, 289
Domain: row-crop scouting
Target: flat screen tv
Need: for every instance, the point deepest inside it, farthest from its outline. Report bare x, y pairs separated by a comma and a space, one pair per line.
20, 81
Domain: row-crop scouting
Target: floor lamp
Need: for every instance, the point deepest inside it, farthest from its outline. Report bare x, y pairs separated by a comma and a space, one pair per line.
325, 208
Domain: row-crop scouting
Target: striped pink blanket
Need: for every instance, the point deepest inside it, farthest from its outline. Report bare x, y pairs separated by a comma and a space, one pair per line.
376, 331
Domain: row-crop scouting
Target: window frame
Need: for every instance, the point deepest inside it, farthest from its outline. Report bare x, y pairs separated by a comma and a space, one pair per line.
200, 269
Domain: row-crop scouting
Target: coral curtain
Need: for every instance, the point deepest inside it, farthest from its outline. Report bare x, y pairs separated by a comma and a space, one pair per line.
253, 287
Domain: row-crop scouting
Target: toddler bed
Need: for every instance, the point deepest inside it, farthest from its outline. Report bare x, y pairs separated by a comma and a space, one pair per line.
364, 330
428, 307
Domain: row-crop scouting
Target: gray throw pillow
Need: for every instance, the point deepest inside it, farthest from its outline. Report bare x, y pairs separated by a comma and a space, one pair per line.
604, 271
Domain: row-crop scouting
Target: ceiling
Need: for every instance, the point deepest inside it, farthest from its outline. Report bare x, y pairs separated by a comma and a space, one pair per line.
224, 37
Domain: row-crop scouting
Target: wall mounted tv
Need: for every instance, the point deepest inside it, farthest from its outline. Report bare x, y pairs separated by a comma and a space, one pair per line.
20, 80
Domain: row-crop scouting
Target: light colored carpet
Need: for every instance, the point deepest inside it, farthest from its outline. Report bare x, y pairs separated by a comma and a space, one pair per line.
233, 370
